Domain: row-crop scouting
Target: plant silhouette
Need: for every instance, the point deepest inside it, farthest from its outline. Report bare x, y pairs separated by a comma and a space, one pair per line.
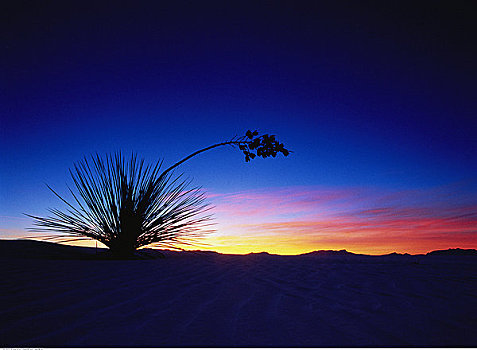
126, 204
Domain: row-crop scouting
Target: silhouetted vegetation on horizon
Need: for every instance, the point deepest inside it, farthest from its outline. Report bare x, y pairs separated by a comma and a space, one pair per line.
126, 204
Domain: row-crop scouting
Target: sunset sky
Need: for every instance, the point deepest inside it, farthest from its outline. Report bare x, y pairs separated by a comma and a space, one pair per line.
377, 100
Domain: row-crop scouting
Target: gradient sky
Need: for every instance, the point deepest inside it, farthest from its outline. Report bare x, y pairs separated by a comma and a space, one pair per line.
377, 99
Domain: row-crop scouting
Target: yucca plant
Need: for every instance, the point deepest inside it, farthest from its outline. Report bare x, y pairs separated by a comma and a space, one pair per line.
126, 204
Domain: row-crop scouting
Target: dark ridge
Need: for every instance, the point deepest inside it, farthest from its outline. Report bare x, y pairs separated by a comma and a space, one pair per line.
32, 249
342, 252
203, 252
453, 252
396, 254
259, 254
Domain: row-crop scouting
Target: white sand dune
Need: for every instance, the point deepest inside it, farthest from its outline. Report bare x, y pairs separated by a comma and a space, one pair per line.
57, 297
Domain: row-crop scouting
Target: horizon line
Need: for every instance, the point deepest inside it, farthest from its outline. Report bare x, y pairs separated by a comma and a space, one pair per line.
249, 253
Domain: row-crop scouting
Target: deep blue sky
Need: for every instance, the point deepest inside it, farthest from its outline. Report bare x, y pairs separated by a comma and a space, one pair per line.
367, 93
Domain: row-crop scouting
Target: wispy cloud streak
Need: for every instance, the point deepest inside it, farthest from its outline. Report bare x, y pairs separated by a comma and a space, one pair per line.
364, 220
368, 220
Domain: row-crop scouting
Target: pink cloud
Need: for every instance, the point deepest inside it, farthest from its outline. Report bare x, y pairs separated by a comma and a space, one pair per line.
281, 201
368, 220
403, 219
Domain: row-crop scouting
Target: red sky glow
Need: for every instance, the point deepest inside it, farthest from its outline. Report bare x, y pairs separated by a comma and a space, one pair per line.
298, 220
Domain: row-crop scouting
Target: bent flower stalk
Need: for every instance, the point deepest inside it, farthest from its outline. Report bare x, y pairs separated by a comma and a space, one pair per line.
127, 205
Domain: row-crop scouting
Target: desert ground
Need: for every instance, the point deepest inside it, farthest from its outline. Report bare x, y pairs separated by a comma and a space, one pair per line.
60, 296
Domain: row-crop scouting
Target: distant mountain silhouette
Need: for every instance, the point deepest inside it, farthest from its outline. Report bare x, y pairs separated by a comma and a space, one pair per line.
32, 249
342, 252
453, 251
396, 254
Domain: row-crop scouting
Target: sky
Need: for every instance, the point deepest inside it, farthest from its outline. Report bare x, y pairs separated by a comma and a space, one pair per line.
376, 99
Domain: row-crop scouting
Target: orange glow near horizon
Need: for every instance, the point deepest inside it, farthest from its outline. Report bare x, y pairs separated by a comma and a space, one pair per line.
299, 220
236, 245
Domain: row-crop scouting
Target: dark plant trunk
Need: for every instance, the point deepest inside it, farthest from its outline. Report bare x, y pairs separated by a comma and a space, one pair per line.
124, 200
122, 249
